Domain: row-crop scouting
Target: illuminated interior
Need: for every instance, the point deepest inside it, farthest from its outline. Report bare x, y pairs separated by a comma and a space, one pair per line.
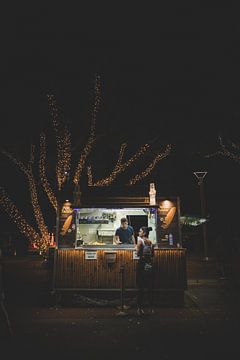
97, 226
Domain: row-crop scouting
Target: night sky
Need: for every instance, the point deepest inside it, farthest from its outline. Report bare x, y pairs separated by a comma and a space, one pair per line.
170, 75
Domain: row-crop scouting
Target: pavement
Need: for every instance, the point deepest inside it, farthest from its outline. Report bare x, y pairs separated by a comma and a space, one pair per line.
207, 326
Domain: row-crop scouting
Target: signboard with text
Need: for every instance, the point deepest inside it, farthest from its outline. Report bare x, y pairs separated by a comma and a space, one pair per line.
90, 255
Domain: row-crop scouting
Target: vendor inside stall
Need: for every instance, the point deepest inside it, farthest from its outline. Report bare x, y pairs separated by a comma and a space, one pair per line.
107, 226
124, 233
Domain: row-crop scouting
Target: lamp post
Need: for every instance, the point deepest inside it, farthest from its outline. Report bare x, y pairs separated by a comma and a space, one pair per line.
200, 175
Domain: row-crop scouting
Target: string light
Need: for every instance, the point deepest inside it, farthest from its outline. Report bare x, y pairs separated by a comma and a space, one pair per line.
63, 143
92, 137
235, 146
63, 167
81, 163
89, 175
151, 166
33, 193
36, 208
97, 102
226, 152
121, 153
15, 161
26, 229
42, 172
32, 151
118, 164
119, 167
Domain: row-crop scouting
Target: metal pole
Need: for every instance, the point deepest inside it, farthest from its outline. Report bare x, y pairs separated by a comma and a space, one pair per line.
122, 286
57, 223
204, 225
56, 248
122, 307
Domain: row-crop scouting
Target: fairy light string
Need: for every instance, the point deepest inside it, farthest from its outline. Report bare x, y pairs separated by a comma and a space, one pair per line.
121, 154
235, 146
23, 226
33, 193
118, 164
63, 168
42, 172
119, 167
92, 136
63, 142
151, 166
224, 151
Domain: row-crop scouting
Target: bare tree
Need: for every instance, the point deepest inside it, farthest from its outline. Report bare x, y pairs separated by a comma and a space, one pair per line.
66, 171
227, 149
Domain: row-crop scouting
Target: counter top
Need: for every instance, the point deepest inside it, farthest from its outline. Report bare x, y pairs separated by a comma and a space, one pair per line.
117, 247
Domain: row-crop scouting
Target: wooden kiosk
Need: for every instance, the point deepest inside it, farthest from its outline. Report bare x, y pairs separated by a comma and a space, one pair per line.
87, 260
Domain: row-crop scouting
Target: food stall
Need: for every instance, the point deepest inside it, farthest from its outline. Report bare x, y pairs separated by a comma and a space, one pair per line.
86, 258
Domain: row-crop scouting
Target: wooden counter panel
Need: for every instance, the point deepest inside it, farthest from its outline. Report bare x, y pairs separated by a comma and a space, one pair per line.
73, 271
170, 269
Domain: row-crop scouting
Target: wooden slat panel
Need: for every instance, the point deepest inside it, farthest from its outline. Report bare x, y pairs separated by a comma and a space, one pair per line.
72, 270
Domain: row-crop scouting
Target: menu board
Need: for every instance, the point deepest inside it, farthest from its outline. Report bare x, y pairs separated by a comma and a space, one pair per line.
168, 223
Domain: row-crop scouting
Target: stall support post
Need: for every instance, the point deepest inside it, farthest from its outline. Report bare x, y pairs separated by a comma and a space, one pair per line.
122, 286
122, 306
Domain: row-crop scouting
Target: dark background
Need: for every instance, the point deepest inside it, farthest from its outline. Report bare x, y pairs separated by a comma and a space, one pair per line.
168, 74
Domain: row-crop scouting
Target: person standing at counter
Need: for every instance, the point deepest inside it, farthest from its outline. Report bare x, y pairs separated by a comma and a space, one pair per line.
124, 234
144, 270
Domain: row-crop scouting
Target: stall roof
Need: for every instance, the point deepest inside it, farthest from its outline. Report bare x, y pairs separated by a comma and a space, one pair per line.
117, 202
124, 201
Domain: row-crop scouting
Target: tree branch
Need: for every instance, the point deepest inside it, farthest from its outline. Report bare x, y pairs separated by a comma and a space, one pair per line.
13, 212
42, 171
225, 152
92, 136
33, 192
119, 167
63, 140
151, 166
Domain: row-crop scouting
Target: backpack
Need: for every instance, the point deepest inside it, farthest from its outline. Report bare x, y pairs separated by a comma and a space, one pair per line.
146, 255
146, 250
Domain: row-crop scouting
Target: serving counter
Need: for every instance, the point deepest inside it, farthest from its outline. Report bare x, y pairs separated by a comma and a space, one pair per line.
87, 260
98, 269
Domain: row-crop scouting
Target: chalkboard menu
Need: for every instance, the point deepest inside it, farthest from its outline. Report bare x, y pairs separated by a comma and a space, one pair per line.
168, 222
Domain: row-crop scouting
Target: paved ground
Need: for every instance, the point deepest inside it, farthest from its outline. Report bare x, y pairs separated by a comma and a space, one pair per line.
206, 327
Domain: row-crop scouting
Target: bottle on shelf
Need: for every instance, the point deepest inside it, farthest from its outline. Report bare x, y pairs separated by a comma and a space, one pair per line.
152, 194
170, 239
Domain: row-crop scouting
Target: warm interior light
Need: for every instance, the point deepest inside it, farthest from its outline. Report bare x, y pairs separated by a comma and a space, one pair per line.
167, 203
